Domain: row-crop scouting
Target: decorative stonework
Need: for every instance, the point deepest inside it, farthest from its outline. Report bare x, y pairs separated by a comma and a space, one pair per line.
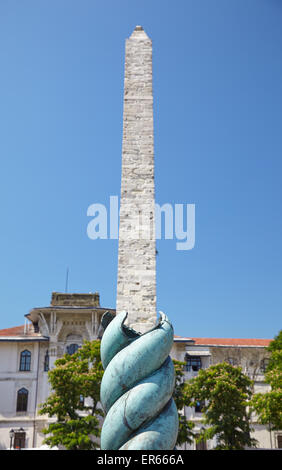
136, 286
81, 300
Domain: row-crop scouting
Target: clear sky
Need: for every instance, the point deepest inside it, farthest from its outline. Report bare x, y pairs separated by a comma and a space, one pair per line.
217, 68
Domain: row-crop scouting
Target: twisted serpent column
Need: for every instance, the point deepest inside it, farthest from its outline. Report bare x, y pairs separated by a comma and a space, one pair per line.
137, 387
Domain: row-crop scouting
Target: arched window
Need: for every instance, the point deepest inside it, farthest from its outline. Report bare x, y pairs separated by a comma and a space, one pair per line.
25, 360
72, 343
46, 361
72, 348
22, 398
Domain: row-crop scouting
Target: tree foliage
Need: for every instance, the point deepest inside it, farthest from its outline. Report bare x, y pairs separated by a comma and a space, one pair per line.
224, 389
268, 406
185, 433
225, 392
74, 378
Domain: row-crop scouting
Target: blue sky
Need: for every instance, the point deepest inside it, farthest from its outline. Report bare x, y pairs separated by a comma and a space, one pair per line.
217, 68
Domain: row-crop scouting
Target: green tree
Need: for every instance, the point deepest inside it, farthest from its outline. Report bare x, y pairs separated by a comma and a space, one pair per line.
268, 406
74, 378
185, 433
276, 343
225, 392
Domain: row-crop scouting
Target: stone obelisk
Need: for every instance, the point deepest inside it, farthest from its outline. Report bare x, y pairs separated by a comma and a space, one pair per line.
136, 283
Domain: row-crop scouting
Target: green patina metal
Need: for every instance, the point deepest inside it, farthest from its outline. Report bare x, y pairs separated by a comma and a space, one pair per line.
137, 386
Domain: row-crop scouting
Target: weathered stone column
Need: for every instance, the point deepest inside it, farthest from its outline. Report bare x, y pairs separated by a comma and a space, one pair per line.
136, 284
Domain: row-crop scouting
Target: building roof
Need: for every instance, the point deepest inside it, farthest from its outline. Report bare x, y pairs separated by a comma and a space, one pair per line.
16, 331
20, 333
27, 332
224, 341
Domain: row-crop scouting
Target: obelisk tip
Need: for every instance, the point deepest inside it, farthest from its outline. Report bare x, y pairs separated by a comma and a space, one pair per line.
139, 33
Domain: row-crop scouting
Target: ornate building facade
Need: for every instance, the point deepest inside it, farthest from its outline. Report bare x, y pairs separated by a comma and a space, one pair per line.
27, 352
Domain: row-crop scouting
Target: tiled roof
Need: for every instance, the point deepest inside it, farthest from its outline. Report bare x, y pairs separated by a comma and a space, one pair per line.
19, 331
232, 341
226, 341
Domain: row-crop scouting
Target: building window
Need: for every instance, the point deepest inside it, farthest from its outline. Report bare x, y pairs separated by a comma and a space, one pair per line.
202, 445
263, 365
19, 440
199, 406
193, 363
279, 441
72, 348
46, 361
25, 360
22, 398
